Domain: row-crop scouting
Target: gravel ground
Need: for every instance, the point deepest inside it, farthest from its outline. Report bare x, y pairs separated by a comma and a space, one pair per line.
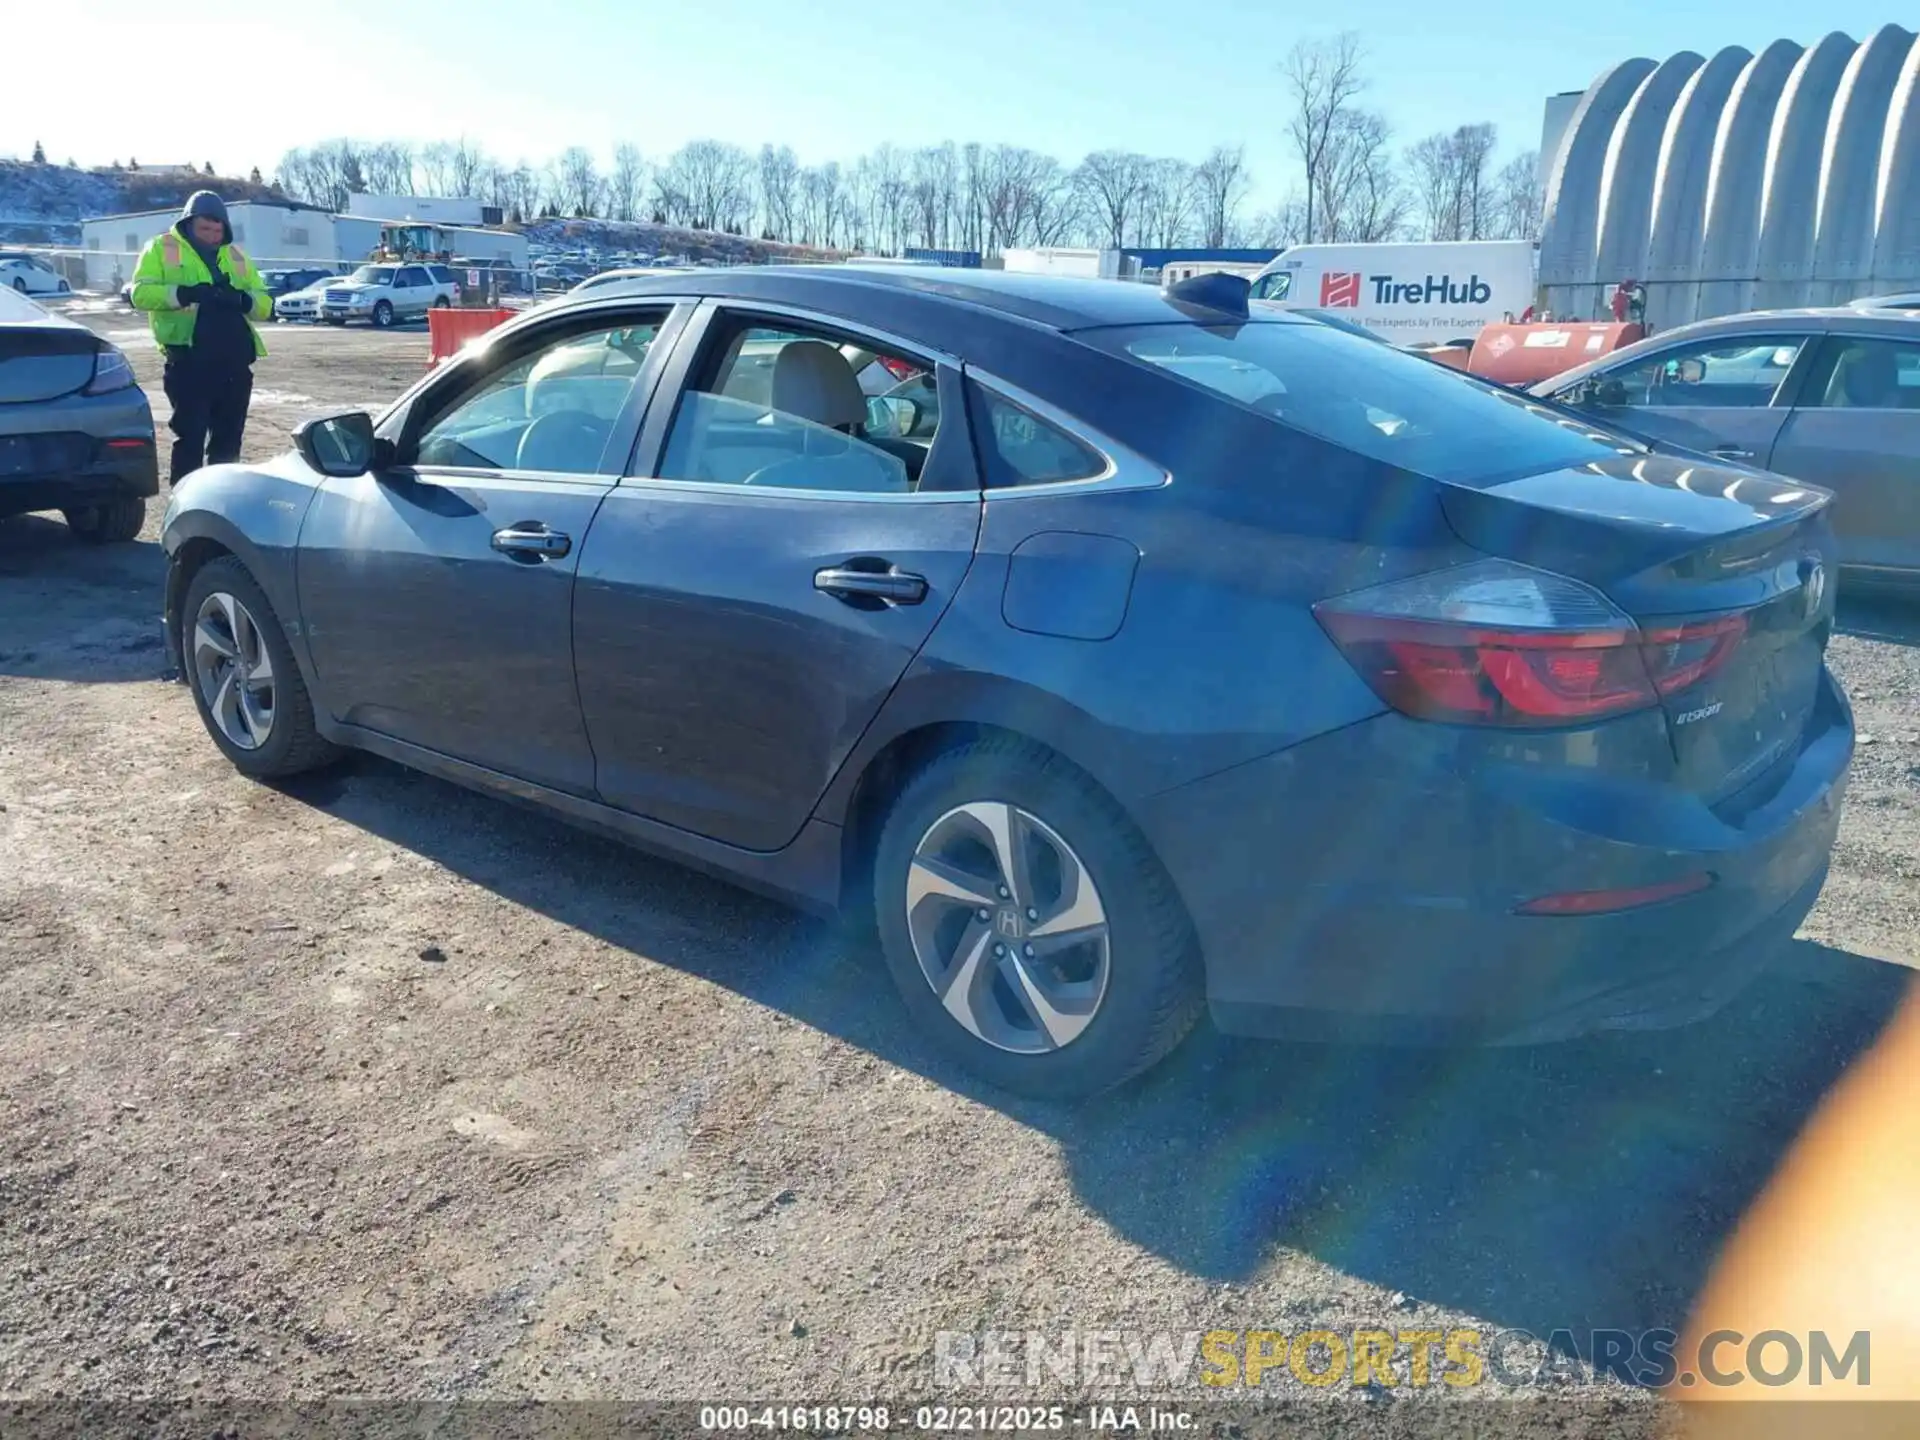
372, 1087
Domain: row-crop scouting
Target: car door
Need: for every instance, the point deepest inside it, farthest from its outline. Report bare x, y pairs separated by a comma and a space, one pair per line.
754, 589
1727, 396
437, 591
412, 290
1856, 432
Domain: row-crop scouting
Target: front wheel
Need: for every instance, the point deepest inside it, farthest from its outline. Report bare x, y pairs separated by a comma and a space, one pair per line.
113, 523
20, 285
63, 288
383, 314
1029, 927
245, 683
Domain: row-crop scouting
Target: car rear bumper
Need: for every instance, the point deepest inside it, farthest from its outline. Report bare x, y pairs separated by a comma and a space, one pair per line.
77, 451
1358, 887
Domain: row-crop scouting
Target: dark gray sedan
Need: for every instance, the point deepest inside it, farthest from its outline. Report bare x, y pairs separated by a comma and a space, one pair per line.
1831, 397
76, 434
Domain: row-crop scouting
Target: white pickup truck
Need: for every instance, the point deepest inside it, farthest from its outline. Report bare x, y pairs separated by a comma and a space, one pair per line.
383, 294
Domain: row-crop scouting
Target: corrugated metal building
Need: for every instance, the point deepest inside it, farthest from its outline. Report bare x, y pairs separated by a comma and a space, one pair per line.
1740, 181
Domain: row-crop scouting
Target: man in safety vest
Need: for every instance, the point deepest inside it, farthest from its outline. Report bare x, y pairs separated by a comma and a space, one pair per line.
202, 296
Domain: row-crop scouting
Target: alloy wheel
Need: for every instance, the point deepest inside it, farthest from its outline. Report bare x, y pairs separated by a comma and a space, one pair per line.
234, 670
1008, 927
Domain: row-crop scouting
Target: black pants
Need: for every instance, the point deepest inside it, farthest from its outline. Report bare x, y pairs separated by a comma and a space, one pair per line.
209, 411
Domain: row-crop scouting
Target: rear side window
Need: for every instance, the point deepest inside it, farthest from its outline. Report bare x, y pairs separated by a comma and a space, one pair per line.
1017, 447
1863, 374
441, 274
1370, 398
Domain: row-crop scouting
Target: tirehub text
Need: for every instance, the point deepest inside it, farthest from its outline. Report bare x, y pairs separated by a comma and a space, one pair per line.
1433, 290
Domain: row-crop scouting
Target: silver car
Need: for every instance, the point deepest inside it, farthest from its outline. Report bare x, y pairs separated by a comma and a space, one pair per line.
1830, 397
76, 434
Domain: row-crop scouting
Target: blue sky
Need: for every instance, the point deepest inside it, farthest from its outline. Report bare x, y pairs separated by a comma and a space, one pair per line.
829, 78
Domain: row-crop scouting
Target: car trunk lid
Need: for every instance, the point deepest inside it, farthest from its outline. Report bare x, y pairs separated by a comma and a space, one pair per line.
1729, 575
43, 361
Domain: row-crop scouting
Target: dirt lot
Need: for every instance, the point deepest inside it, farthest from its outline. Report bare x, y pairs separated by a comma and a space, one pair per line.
370, 1086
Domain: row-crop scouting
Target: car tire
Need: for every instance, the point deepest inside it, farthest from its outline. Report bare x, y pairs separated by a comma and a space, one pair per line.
1122, 1001
292, 743
63, 288
333, 320
382, 314
20, 285
112, 523
441, 302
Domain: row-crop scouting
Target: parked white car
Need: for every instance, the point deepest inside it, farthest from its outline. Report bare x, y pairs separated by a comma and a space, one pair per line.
303, 304
30, 275
383, 294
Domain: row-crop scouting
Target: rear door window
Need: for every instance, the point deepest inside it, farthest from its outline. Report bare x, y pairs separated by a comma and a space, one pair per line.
1859, 373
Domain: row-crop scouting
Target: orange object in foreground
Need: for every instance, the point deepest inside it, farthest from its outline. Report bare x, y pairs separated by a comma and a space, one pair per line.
449, 329
1828, 1247
1524, 354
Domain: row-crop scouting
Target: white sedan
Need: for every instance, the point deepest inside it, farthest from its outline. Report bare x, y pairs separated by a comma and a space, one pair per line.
302, 304
29, 275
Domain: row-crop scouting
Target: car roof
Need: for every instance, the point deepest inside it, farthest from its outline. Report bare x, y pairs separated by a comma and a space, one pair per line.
1058, 302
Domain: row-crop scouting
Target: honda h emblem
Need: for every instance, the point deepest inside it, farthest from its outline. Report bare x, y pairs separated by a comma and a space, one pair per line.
1813, 585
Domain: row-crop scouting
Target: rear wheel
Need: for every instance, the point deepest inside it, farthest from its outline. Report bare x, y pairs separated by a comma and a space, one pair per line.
63, 288
19, 285
111, 523
1031, 930
245, 683
383, 314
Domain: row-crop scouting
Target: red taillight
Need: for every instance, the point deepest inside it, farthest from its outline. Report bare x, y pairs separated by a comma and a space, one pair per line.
1606, 902
1494, 643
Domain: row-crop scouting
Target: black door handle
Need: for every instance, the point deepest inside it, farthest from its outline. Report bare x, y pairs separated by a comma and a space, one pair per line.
530, 540
895, 587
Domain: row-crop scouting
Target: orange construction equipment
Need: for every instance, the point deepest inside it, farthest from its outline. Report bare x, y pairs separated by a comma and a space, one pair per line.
1524, 354
449, 329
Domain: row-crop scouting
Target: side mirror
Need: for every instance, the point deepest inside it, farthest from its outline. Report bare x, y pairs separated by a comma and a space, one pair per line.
339, 445
893, 416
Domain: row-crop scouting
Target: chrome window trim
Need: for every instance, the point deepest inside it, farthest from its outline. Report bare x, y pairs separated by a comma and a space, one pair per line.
788, 492
1126, 469
744, 305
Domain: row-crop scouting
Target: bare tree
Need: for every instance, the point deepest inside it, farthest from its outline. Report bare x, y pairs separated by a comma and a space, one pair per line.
324, 174
436, 168
1323, 78
579, 184
820, 204
1167, 202
465, 160
1360, 197
1112, 184
1451, 186
625, 182
1518, 202
779, 182
890, 189
934, 193
1053, 211
521, 185
1222, 187
708, 184
388, 167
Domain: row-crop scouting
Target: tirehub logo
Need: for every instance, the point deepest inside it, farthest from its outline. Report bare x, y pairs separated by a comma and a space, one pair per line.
1340, 289
1430, 290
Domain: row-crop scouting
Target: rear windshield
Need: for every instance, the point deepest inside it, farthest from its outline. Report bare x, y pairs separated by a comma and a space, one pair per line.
1366, 396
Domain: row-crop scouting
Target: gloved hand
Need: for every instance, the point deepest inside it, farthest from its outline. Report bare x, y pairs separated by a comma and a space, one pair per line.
193, 294
233, 297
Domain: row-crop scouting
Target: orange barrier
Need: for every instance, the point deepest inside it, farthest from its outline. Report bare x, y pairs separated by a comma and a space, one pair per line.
448, 329
1524, 354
